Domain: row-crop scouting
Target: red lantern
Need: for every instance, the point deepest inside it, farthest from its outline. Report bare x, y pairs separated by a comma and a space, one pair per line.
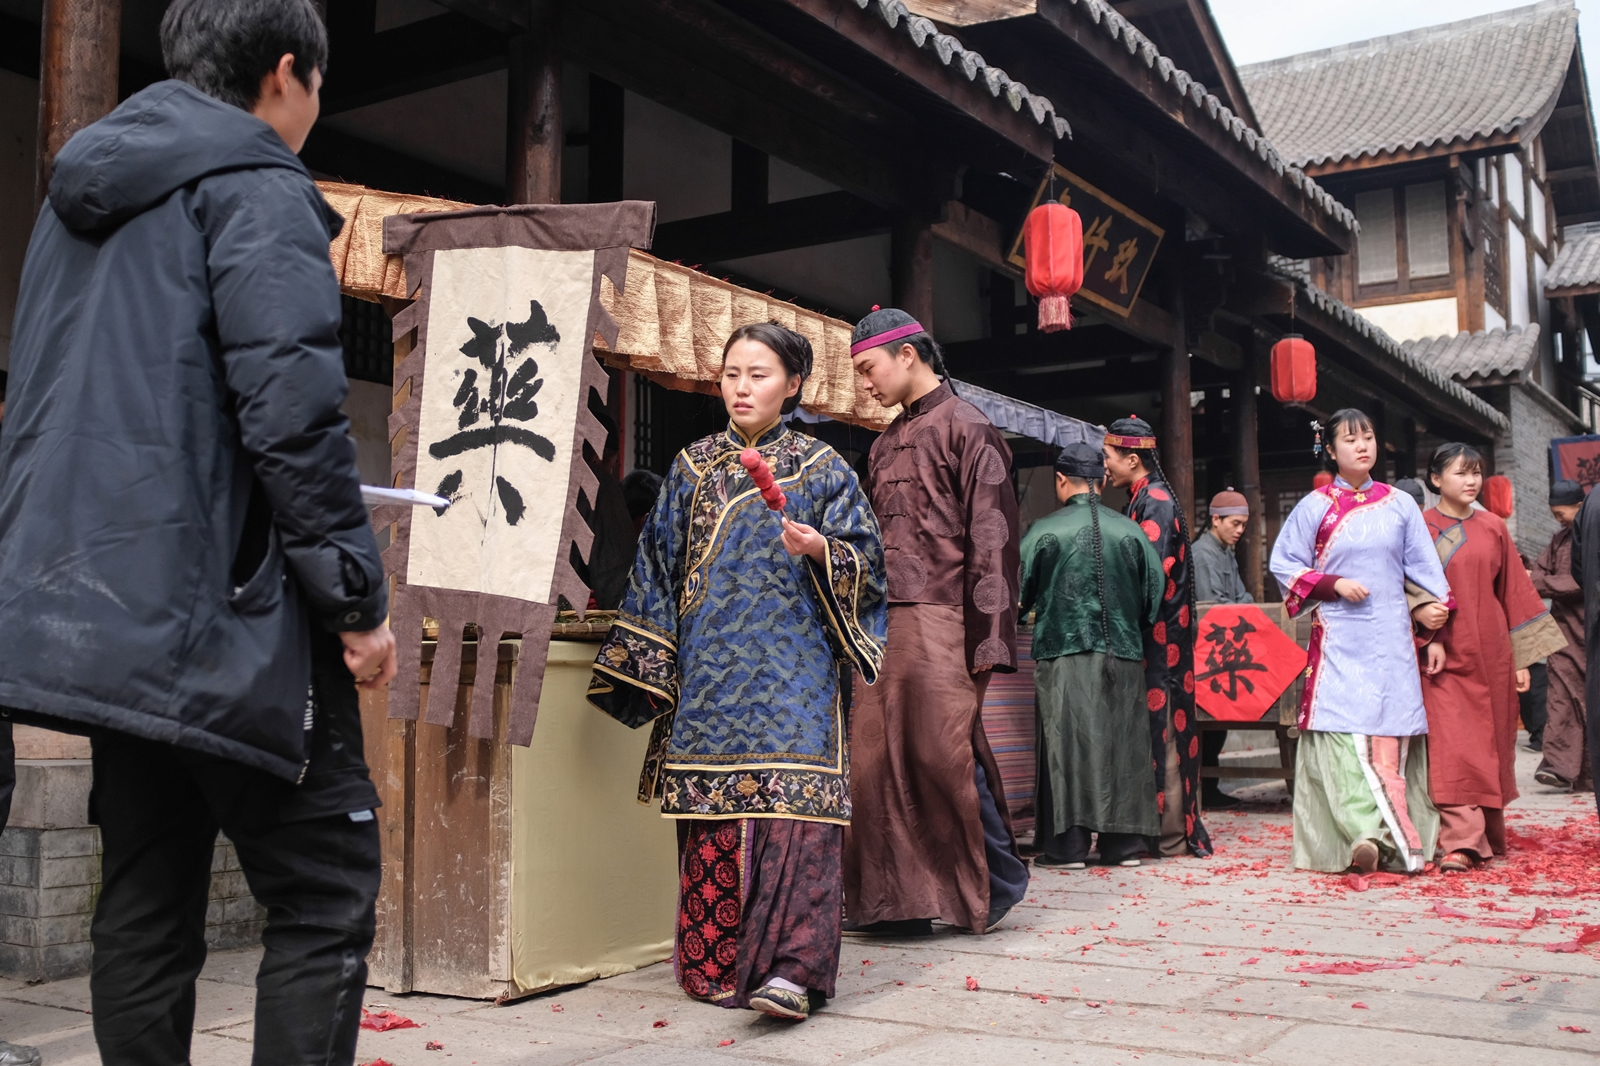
1322, 479
1294, 370
1497, 495
1052, 242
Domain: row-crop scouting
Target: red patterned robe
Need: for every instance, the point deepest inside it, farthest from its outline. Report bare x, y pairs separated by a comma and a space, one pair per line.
1169, 656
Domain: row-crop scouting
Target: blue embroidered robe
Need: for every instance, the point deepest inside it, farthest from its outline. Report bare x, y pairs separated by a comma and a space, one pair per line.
731, 645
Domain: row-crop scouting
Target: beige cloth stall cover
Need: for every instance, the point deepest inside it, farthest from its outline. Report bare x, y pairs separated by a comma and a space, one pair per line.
673, 319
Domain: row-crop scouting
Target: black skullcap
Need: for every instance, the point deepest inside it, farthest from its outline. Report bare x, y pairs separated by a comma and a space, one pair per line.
1082, 460
1565, 492
1413, 488
884, 325
1131, 432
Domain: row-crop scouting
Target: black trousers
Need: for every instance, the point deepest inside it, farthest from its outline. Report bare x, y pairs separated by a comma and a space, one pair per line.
307, 860
1533, 704
8, 771
1072, 843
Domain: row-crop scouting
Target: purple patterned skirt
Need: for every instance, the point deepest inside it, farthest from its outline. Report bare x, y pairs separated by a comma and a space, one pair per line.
758, 898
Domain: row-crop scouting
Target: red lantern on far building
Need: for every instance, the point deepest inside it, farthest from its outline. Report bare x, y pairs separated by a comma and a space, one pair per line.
1052, 243
1322, 479
1497, 495
1294, 370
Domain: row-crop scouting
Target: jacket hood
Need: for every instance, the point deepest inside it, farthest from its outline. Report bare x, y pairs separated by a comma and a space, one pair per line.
158, 140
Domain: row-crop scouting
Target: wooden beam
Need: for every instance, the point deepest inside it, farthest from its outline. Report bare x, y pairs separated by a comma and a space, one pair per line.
751, 178
342, 157
799, 223
868, 32
503, 16
976, 234
534, 133
911, 267
409, 59
1176, 442
1578, 173
704, 62
606, 101
1247, 474
80, 45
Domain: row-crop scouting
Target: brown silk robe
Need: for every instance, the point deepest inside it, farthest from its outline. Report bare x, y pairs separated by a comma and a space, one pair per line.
1498, 627
940, 482
939, 479
1565, 750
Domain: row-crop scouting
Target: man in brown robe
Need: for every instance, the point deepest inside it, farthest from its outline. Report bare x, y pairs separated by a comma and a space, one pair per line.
1566, 749
929, 838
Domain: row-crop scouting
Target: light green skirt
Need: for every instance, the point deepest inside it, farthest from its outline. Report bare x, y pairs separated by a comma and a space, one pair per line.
1349, 788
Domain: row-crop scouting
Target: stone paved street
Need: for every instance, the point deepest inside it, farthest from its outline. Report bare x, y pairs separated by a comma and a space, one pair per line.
1234, 959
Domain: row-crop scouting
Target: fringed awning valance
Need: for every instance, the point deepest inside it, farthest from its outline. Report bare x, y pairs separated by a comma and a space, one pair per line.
672, 320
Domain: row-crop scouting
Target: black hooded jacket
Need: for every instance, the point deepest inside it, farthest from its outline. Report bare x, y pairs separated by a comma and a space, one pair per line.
179, 502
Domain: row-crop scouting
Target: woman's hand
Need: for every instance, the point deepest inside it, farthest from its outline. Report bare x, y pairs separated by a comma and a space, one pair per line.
1350, 591
1435, 653
1431, 615
801, 539
1524, 680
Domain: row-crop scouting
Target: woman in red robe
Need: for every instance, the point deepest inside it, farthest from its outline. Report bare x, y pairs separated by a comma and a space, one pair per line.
1499, 627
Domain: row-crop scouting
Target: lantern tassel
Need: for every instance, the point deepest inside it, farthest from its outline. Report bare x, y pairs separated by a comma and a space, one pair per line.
1055, 312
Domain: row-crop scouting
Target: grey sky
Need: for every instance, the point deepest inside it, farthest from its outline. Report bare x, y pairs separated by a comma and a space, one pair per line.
1266, 29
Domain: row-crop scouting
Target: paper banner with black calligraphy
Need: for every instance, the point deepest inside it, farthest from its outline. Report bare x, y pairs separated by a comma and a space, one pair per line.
493, 413
1242, 662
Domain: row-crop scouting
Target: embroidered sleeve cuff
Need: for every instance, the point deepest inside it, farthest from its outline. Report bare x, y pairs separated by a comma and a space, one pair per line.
1304, 587
635, 674
1323, 589
839, 584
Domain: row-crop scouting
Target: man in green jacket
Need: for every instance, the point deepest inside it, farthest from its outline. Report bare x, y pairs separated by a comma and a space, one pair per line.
1095, 584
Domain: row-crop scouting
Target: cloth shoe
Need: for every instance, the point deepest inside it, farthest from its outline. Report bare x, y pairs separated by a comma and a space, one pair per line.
17, 1055
1364, 856
1458, 861
778, 1002
1551, 778
1046, 862
892, 927
996, 916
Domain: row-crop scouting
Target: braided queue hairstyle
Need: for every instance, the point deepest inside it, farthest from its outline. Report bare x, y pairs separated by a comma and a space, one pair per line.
1097, 544
1152, 463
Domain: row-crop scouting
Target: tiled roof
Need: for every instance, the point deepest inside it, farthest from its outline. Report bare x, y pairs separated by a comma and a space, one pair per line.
1189, 94
1578, 262
1474, 357
964, 63
1386, 344
1431, 86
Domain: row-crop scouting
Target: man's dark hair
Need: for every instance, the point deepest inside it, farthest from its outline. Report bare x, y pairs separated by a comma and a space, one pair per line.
792, 350
225, 47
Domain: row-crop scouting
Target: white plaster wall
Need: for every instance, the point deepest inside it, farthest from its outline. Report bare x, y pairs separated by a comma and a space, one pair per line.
785, 181
1517, 275
1492, 319
846, 277
684, 166
19, 119
960, 312
367, 407
1527, 463
1415, 320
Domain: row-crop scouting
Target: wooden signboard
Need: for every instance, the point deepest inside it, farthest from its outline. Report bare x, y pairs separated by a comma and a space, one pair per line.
1119, 244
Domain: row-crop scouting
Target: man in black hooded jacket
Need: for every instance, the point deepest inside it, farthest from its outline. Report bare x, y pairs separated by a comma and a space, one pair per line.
187, 573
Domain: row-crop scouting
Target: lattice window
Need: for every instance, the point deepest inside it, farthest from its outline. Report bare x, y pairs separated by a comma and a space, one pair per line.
367, 336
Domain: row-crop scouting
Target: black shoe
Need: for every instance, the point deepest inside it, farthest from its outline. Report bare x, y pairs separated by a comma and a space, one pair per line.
1218, 800
1050, 862
893, 927
17, 1055
996, 916
1544, 777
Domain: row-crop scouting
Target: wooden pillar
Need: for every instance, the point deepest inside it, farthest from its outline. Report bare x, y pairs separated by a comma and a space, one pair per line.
533, 117
606, 115
911, 267
80, 43
1176, 439
1247, 473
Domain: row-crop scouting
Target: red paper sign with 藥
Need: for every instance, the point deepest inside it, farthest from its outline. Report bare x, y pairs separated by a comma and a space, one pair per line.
1242, 663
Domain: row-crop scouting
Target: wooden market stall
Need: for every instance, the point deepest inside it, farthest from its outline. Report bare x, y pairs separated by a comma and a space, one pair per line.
508, 870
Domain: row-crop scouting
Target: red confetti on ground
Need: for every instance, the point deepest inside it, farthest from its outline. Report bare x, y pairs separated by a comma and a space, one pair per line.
381, 1021
433, 1045
1247, 962
1347, 968
1359, 1006
972, 984
1444, 910
659, 1023
726, 1043
1572, 1029
1590, 934
1090, 1003
557, 1009
378, 1062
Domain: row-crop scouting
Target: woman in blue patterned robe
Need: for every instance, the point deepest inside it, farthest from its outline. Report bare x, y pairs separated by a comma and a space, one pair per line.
729, 640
